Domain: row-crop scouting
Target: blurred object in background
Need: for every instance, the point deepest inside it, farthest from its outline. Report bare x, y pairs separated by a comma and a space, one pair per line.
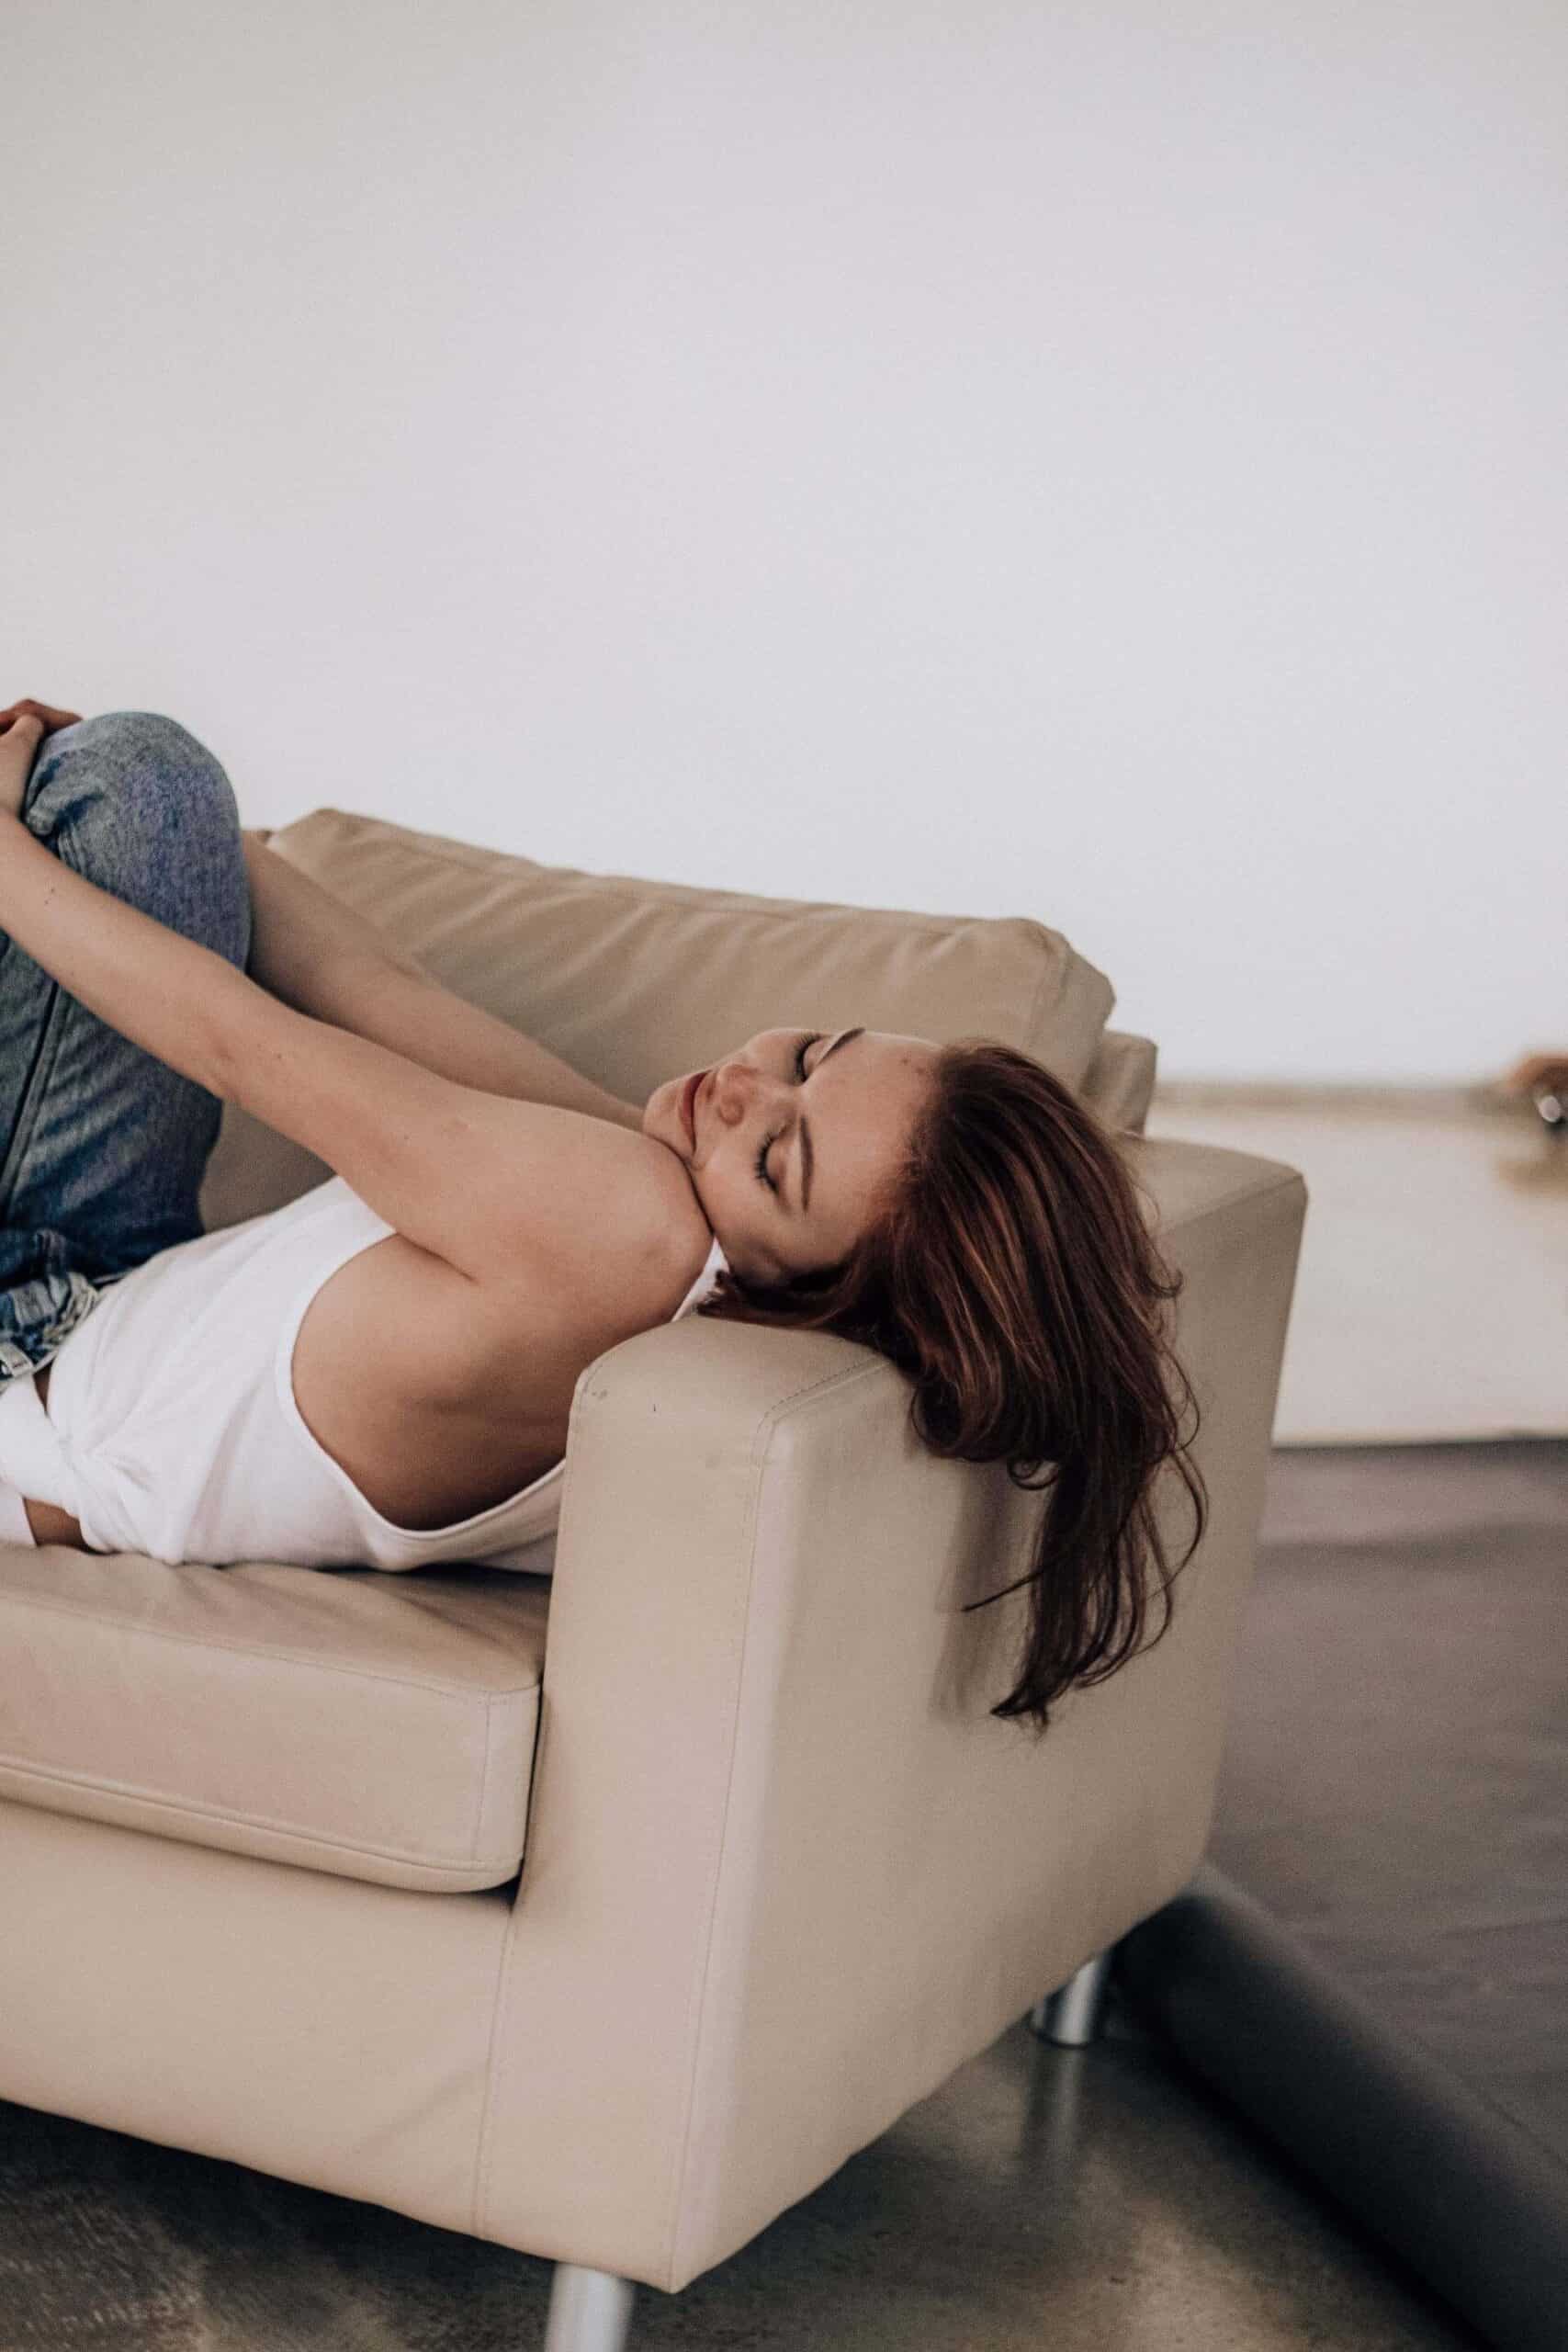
1541, 1079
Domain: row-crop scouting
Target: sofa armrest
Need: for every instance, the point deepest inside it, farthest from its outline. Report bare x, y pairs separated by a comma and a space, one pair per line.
784, 1871
1120, 1082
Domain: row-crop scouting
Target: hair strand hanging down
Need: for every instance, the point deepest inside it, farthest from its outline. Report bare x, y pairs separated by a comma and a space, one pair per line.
1012, 1276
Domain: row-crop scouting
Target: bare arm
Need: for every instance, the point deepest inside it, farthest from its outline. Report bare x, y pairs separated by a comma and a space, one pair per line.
323, 957
492, 1186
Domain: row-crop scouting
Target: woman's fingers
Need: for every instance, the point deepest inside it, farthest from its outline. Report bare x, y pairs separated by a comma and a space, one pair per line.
18, 748
46, 712
50, 717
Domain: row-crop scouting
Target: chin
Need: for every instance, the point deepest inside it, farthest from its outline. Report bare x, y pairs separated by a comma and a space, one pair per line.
680, 1142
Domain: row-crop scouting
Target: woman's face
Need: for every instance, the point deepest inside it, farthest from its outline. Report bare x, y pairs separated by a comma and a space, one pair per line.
796, 1134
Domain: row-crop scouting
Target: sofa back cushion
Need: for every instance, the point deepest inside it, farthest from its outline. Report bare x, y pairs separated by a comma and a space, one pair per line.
632, 981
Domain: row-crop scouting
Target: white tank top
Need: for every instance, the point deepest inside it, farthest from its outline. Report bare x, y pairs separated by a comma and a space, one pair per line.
172, 1427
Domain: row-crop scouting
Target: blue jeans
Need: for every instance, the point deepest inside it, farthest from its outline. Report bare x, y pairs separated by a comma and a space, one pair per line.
103, 1148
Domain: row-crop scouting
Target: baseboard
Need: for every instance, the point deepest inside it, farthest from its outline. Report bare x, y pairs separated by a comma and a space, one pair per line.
1378, 1098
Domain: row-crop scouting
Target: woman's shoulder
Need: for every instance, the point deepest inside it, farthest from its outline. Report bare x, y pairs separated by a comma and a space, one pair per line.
638, 1246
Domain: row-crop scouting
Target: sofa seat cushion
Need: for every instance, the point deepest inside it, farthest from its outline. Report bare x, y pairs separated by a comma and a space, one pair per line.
371, 1725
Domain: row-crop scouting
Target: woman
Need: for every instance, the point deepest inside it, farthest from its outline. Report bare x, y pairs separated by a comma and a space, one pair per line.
383, 1369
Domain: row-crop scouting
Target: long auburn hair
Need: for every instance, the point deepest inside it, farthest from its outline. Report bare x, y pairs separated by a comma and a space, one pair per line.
1011, 1274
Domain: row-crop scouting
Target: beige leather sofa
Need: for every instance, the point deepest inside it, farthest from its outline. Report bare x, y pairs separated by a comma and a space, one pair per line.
603, 1910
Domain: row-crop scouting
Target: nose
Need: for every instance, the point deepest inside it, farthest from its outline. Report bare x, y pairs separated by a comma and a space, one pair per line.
736, 1085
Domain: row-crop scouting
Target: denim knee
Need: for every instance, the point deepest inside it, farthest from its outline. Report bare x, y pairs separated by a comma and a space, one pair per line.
132, 800
132, 732
125, 734
138, 766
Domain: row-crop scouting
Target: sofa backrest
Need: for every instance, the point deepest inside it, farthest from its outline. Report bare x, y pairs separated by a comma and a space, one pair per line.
632, 980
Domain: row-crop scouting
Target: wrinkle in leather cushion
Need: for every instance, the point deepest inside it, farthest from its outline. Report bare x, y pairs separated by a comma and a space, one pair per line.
373, 1726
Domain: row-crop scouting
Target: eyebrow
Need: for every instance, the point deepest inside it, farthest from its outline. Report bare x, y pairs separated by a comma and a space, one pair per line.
807, 1157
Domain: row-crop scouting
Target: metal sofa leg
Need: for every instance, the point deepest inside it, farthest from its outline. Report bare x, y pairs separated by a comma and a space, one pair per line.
591, 2311
1074, 2013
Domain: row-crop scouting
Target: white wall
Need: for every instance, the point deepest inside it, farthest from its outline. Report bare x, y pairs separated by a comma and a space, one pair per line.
1098, 461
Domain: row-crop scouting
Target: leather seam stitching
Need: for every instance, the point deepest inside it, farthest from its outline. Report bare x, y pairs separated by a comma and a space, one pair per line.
1037, 1008
83, 1614
643, 894
696, 1998
1238, 1199
484, 1777
272, 1825
498, 2005
843, 1377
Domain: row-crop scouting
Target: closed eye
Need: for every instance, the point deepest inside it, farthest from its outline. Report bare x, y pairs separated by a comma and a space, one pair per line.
807, 1039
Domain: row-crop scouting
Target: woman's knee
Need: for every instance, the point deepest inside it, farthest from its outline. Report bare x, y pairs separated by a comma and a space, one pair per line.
131, 734
121, 750
125, 775
134, 801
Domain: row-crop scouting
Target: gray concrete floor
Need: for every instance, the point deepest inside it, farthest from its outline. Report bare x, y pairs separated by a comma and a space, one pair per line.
1092, 2200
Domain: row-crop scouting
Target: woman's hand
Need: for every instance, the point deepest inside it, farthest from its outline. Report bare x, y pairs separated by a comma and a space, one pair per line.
22, 729
18, 749
51, 718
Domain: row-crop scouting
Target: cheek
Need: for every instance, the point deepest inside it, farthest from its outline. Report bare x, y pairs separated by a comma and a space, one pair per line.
717, 1189
733, 1201
735, 1217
